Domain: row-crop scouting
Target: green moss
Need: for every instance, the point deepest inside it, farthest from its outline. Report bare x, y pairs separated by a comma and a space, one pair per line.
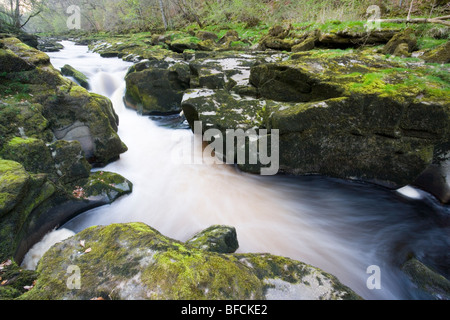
68, 70
32, 153
134, 261
427, 279
13, 182
221, 239
16, 281
106, 184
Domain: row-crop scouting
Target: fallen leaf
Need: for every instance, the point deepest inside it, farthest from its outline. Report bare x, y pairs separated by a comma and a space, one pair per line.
97, 298
6, 263
28, 287
82, 243
3, 282
87, 250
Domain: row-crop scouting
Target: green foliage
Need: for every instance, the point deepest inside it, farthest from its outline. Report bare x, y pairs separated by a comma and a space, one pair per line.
133, 16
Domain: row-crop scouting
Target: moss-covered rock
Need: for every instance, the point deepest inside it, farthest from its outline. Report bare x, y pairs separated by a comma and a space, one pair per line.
70, 71
10, 62
344, 113
49, 129
14, 280
427, 280
184, 43
104, 186
13, 183
221, 239
21, 193
306, 45
75, 114
206, 35
50, 101
134, 261
32, 153
349, 38
402, 43
439, 55
157, 87
70, 163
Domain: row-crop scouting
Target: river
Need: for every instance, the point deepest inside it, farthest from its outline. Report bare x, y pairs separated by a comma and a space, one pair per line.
342, 227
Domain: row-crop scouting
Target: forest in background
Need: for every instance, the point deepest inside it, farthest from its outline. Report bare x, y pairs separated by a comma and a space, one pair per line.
125, 16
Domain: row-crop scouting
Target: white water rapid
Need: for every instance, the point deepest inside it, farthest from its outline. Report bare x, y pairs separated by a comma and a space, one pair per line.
339, 226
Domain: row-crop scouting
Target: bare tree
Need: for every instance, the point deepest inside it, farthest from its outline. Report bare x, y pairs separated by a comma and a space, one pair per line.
161, 7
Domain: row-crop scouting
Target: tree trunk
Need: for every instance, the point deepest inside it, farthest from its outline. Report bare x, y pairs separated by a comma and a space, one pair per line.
17, 15
161, 7
438, 20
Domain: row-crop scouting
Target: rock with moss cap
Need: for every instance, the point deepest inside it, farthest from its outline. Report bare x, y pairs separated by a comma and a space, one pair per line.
32, 204
156, 87
403, 43
440, 54
133, 261
70, 71
13, 182
218, 238
49, 129
56, 103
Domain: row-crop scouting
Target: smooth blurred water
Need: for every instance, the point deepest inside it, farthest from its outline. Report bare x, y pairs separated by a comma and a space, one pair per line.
342, 227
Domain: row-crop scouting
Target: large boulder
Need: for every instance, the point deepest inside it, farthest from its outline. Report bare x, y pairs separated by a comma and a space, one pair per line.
155, 87
32, 204
403, 43
352, 115
133, 261
56, 103
51, 133
76, 114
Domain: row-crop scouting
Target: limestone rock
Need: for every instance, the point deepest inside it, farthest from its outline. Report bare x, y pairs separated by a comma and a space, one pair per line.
306, 45
439, 55
338, 114
221, 239
157, 87
133, 261
82, 80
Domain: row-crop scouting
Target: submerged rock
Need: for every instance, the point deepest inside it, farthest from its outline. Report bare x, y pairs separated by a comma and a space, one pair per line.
427, 280
133, 261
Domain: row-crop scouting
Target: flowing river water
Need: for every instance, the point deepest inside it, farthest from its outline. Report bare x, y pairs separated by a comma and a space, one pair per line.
339, 226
